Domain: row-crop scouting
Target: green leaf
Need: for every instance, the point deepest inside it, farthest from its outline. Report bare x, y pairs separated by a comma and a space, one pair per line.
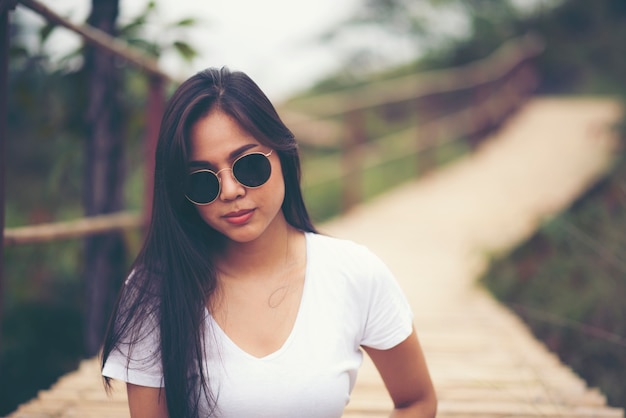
133, 27
190, 21
185, 50
45, 31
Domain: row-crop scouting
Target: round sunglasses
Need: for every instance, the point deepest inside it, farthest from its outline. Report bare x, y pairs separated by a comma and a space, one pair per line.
250, 170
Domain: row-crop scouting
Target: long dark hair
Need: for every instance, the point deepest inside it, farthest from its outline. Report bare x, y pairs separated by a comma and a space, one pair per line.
172, 277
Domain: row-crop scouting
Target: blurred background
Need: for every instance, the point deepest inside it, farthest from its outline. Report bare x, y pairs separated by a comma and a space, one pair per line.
351, 78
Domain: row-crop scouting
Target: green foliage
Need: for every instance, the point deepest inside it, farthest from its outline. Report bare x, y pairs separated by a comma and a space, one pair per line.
170, 36
428, 26
43, 120
568, 282
323, 200
585, 52
185, 50
585, 48
400, 16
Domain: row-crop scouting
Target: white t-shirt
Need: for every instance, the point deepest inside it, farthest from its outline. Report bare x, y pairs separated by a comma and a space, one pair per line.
350, 299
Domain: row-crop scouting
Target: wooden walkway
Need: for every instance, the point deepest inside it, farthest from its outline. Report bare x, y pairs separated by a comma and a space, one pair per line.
435, 234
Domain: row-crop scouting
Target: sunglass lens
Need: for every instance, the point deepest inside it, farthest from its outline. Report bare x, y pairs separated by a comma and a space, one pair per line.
252, 170
202, 187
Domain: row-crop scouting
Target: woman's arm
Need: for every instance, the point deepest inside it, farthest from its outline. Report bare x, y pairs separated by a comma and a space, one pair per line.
404, 371
146, 402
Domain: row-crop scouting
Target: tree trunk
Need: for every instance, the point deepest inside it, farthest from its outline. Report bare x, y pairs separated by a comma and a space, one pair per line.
104, 256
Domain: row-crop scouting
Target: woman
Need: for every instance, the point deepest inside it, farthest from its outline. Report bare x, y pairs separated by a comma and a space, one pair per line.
236, 307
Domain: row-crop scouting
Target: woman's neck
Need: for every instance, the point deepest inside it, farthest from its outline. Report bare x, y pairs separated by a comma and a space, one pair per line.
278, 247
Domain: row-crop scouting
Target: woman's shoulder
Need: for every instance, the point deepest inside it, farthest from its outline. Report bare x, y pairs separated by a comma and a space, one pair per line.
336, 246
350, 270
342, 254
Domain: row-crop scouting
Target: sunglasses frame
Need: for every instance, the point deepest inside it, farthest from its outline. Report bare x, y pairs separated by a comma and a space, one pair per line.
219, 180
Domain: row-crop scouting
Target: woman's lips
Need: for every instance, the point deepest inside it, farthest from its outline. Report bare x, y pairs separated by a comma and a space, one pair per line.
240, 217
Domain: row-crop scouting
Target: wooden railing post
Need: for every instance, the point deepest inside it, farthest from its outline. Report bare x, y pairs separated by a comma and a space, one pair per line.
351, 159
428, 133
155, 108
526, 78
480, 114
5, 8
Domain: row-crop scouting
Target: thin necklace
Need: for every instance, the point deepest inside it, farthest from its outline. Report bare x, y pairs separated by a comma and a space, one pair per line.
277, 297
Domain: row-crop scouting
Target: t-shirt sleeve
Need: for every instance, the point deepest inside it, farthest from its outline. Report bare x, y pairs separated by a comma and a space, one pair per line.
138, 363
389, 319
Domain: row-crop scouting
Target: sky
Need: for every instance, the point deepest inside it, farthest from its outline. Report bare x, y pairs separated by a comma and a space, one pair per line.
271, 40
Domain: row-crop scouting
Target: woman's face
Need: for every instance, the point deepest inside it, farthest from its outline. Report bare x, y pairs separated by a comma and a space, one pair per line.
241, 214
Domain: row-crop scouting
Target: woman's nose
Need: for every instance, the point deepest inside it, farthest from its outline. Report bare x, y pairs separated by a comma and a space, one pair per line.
231, 189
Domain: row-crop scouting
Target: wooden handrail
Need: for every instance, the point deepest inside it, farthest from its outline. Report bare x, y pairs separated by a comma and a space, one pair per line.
5, 8
72, 229
473, 75
454, 126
